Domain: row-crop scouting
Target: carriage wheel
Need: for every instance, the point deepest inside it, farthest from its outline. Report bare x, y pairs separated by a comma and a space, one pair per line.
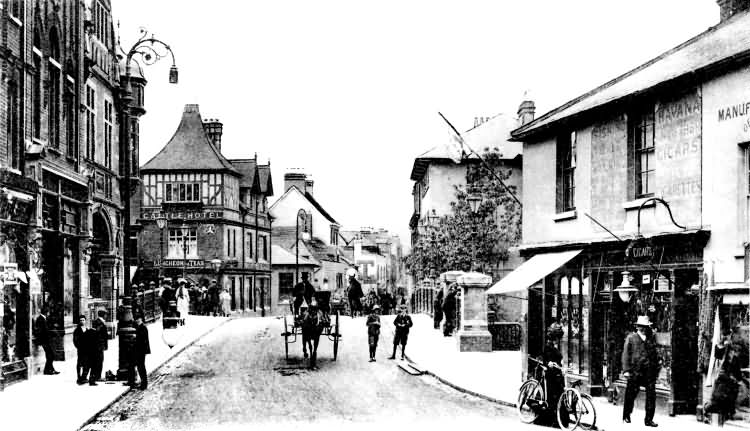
336, 337
286, 339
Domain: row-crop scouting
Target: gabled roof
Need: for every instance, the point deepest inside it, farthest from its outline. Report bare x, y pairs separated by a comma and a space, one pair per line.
319, 207
494, 132
264, 179
718, 46
189, 149
248, 169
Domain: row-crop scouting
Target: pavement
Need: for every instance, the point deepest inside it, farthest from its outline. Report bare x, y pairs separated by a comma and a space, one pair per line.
58, 403
496, 376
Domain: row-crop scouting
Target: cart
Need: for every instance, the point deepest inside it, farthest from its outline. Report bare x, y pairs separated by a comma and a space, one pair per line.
293, 328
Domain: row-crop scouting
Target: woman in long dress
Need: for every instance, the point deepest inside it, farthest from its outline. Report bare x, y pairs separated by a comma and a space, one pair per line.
183, 301
226, 302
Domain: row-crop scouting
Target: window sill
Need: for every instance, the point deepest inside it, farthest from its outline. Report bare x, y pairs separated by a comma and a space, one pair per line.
739, 253
566, 215
636, 203
54, 151
15, 20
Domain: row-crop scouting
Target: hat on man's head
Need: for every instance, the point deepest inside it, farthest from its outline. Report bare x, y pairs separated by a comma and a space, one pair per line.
375, 307
152, 283
101, 313
167, 280
181, 281
643, 321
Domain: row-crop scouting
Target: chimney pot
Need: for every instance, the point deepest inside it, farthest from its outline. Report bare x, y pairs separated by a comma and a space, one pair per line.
728, 8
214, 129
295, 179
526, 112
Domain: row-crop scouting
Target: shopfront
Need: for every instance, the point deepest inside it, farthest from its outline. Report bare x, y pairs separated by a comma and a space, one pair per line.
17, 204
664, 274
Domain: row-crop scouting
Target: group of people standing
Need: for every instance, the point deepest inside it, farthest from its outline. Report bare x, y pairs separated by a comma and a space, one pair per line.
401, 323
90, 343
445, 307
191, 299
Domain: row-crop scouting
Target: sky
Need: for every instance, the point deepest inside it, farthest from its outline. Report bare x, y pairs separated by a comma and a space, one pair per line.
349, 91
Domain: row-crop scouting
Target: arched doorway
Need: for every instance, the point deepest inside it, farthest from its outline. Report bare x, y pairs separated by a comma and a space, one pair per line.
100, 247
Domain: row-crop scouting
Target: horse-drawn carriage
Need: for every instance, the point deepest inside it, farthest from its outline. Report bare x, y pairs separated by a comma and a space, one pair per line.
311, 324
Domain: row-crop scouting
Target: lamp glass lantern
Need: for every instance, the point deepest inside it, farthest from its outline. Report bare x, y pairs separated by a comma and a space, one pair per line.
161, 222
625, 290
216, 264
173, 74
474, 201
185, 230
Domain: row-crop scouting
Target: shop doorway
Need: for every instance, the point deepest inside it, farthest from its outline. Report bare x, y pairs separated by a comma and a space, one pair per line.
53, 289
100, 246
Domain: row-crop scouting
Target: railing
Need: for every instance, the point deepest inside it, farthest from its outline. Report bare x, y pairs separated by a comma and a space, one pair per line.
506, 335
147, 302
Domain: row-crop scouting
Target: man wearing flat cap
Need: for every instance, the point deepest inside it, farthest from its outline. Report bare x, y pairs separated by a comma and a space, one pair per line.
640, 365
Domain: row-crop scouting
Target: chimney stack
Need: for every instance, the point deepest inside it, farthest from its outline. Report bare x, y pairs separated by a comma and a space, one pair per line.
295, 179
213, 129
727, 8
526, 112
309, 186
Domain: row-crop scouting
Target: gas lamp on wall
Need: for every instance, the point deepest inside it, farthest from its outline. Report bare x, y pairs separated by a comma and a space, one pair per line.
475, 201
625, 290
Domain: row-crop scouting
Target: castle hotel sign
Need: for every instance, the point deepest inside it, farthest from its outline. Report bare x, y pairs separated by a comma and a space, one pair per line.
182, 215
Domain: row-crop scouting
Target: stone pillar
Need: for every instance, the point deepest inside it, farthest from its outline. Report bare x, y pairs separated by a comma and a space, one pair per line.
473, 335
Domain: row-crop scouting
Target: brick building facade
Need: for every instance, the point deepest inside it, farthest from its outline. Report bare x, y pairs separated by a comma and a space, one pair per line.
59, 171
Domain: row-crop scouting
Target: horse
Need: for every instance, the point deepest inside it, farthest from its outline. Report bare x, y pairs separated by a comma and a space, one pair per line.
313, 322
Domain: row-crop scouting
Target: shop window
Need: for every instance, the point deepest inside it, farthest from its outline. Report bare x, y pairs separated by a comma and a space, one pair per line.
286, 284
571, 311
641, 141
175, 245
566, 166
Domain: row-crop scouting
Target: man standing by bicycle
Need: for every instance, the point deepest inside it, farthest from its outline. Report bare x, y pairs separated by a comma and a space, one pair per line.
640, 365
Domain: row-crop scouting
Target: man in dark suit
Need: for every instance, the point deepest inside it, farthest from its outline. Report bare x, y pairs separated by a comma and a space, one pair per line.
44, 338
640, 365
303, 291
142, 348
100, 341
82, 348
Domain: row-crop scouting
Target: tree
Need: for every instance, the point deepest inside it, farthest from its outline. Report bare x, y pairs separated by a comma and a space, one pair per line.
454, 240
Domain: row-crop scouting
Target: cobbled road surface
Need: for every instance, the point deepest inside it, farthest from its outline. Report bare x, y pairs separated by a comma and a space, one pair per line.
237, 378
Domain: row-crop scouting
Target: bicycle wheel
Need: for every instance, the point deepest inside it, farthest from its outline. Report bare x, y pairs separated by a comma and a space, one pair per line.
568, 415
530, 401
586, 412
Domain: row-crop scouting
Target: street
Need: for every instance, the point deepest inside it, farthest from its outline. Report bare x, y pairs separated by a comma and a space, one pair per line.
237, 376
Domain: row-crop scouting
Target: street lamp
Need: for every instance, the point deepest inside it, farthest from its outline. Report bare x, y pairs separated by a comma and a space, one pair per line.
625, 290
302, 213
185, 230
475, 201
150, 50
161, 223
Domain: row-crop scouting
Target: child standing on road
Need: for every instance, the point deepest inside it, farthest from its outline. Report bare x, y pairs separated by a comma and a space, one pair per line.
402, 323
373, 330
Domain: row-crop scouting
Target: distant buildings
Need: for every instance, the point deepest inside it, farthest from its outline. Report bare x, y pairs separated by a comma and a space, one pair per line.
379, 258
304, 228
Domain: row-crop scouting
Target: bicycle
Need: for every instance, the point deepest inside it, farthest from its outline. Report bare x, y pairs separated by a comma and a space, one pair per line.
577, 407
